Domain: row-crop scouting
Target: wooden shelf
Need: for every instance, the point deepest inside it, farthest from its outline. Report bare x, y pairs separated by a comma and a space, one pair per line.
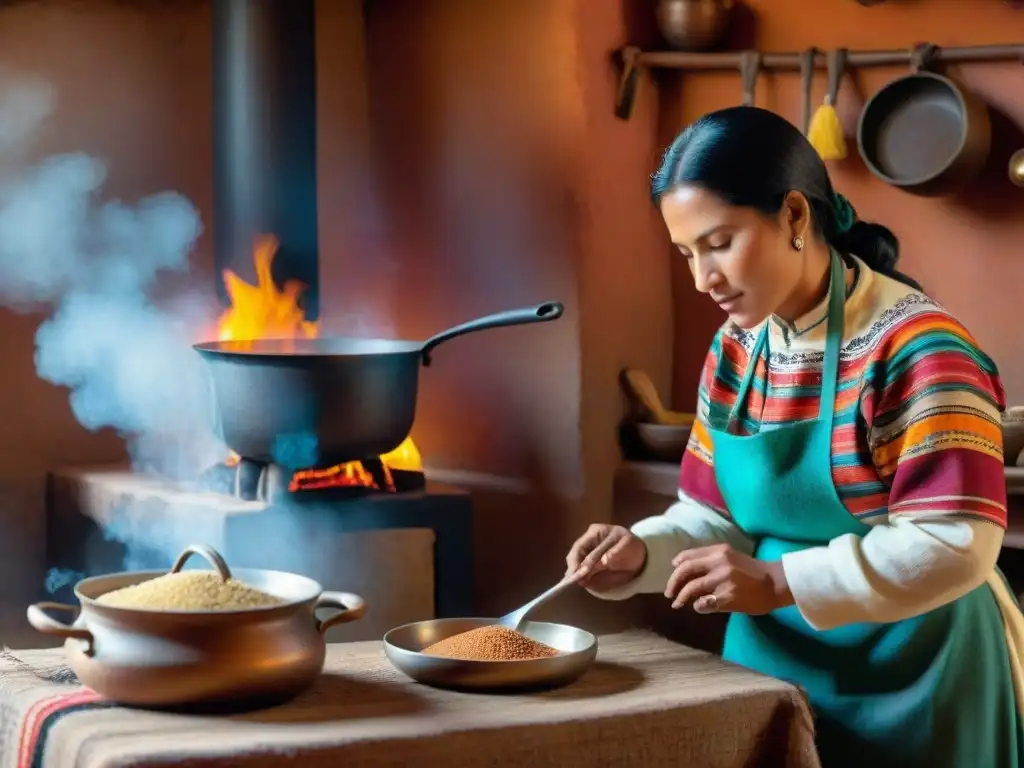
633, 60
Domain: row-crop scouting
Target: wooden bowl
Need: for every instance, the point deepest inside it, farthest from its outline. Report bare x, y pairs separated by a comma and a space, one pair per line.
1013, 434
665, 442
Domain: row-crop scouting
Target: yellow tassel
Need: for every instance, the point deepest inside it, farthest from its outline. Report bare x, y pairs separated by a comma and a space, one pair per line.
826, 133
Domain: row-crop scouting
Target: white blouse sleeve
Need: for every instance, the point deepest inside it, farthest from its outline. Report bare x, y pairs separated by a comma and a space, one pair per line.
898, 570
687, 524
934, 436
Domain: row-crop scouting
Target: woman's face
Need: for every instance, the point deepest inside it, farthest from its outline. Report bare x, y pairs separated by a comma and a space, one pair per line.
744, 260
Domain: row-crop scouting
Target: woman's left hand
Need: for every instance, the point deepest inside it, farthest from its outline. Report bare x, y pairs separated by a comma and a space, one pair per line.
718, 578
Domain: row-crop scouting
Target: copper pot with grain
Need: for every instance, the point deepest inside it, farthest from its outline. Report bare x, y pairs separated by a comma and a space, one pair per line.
263, 651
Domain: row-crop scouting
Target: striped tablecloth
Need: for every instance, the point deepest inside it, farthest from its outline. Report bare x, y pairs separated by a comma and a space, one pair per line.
648, 702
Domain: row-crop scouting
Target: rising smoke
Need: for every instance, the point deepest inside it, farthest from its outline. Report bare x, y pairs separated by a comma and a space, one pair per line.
93, 264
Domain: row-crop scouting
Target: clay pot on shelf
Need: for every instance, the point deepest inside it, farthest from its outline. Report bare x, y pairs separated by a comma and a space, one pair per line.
694, 25
1013, 434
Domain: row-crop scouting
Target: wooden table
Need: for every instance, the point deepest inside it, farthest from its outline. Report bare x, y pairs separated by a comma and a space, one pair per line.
647, 702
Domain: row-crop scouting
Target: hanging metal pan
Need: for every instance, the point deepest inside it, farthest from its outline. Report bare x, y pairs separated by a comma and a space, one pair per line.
925, 133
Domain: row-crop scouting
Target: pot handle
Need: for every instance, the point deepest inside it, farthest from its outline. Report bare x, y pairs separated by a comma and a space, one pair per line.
351, 607
923, 57
41, 621
835, 62
209, 554
807, 63
542, 313
750, 68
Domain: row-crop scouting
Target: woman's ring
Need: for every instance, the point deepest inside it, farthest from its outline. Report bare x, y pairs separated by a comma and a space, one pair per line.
707, 604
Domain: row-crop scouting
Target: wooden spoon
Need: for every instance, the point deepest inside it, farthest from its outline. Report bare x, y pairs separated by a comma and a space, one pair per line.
640, 386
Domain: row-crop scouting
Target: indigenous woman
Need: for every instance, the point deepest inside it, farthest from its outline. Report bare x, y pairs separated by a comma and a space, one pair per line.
842, 495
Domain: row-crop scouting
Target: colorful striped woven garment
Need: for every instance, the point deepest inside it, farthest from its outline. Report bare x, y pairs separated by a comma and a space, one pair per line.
917, 419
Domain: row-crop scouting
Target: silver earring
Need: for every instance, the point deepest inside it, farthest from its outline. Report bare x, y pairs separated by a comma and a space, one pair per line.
798, 243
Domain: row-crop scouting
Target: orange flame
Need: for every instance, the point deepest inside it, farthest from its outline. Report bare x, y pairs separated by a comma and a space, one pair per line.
264, 311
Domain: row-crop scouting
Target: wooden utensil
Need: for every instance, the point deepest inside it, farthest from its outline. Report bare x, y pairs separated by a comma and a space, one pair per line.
639, 385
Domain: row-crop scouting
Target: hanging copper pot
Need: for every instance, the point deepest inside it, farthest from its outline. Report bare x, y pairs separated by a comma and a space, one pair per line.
694, 25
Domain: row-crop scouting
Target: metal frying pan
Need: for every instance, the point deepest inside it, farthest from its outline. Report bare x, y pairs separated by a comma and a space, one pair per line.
404, 645
925, 133
319, 402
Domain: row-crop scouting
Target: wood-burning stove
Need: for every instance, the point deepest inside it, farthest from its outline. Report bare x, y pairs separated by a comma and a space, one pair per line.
402, 543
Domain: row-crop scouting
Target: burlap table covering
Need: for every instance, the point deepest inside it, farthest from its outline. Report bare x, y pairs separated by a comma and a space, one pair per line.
648, 702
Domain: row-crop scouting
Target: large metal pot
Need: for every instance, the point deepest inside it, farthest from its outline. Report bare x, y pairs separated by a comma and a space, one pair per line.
320, 402
167, 659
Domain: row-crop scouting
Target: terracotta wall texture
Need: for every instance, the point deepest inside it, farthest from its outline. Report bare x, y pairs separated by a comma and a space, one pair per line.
508, 180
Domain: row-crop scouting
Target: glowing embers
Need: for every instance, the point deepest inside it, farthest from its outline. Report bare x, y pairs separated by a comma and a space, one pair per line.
256, 481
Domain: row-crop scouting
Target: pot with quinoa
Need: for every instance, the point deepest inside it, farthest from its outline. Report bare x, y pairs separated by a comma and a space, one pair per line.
198, 637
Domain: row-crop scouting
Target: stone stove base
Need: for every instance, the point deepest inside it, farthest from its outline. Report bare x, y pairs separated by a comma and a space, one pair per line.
408, 554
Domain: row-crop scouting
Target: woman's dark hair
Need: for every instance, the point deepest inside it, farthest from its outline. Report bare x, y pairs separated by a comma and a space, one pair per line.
753, 158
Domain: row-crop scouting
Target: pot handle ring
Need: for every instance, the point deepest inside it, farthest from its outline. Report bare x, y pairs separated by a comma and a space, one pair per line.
41, 621
542, 313
351, 607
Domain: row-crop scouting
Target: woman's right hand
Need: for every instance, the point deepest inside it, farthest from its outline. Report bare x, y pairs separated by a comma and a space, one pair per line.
605, 557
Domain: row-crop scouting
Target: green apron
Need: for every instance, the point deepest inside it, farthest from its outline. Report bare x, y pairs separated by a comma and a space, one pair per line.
935, 690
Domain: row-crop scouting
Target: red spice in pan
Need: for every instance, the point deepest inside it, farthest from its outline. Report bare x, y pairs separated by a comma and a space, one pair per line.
490, 644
